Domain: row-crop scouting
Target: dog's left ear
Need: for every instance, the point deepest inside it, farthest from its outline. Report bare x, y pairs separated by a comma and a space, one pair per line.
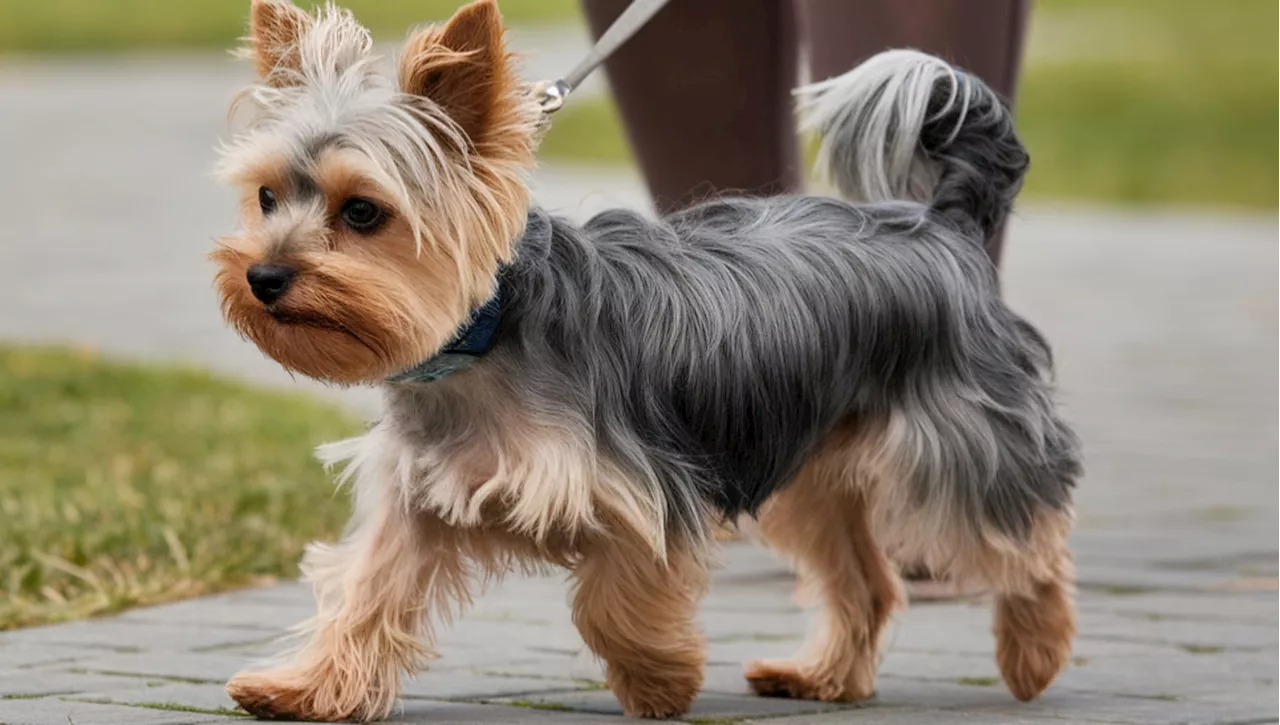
464, 67
274, 29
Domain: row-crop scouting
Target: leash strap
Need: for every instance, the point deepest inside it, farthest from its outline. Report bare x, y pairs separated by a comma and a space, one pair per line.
551, 94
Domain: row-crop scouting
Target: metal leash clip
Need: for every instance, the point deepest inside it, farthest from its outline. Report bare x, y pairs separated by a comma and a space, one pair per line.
551, 95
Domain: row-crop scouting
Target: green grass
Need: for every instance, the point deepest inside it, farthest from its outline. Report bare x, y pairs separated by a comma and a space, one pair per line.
94, 25
1129, 101
122, 484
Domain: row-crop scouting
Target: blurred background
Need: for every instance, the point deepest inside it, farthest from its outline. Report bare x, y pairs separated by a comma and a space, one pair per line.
146, 453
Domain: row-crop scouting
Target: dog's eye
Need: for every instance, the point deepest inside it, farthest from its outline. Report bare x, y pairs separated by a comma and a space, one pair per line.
362, 215
266, 200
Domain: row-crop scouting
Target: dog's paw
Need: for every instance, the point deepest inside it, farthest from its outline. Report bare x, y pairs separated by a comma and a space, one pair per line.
1030, 666
785, 678
655, 698
287, 695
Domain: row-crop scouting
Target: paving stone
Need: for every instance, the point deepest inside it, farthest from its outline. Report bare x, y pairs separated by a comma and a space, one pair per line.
708, 704
1242, 607
488, 634
741, 651
18, 655
1092, 647
580, 667
209, 697
213, 667
1179, 675
450, 685
54, 711
220, 612
485, 659
906, 716
128, 635
1079, 707
753, 627
49, 681
939, 666
418, 712
1194, 633
295, 594
892, 691
726, 679
1110, 578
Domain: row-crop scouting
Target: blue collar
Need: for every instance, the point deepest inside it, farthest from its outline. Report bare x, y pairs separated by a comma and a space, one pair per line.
477, 336
469, 344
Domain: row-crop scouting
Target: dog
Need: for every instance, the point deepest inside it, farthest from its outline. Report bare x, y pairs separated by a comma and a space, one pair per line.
599, 397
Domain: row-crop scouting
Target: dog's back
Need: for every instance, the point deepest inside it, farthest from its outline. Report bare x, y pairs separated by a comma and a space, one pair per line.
729, 340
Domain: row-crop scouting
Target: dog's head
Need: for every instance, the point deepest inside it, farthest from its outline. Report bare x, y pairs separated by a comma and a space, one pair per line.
375, 210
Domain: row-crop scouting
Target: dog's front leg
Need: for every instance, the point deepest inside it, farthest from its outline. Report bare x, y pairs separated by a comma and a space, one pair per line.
637, 614
376, 592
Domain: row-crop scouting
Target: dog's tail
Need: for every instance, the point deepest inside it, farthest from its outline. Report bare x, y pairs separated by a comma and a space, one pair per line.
908, 126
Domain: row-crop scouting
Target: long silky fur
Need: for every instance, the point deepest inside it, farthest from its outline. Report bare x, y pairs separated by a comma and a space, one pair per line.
709, 352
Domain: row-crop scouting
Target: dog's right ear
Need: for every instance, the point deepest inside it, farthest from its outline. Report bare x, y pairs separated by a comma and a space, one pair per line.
274, 29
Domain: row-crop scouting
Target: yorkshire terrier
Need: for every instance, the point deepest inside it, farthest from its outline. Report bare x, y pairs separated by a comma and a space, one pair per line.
600, 397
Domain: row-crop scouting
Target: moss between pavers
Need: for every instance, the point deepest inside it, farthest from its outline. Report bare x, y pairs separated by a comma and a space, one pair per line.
531, 705
978, 681
1201, 649
173, 706
188, 708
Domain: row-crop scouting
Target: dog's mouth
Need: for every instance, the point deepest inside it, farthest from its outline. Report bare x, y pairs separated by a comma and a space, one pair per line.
287, 316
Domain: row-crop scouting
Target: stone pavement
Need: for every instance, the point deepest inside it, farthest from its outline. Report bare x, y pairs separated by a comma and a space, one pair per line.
1164, 323
1163, 639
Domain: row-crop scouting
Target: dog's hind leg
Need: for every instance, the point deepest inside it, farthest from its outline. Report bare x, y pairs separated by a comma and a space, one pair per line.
1035, 617
637, 614
823, 521
983, 496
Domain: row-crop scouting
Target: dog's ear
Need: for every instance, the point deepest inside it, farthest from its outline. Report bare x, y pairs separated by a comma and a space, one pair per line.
274, 29
463, 67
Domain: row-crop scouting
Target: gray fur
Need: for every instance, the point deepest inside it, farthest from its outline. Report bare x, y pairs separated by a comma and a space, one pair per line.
908, 126
709, 353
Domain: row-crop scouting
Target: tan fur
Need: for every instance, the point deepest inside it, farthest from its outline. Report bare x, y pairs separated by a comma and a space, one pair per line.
824, 523
835, 517
381, 592
464, 67
274, 27
1034, 629
637, 614
365, 307
533, 476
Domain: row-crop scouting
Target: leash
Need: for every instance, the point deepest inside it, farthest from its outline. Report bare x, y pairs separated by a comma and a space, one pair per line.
552, 94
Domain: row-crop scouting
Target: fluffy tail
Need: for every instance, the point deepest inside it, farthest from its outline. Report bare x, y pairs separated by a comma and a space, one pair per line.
908, 126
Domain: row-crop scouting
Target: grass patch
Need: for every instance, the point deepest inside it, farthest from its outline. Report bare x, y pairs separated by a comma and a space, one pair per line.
115, 25
1125, 101
126, 484
978, 681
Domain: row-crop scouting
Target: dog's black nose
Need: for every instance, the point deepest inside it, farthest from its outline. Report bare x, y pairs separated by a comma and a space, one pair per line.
269, 281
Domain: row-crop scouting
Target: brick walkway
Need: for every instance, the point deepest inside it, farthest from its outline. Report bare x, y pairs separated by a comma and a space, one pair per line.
1164, 639
1165, 327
